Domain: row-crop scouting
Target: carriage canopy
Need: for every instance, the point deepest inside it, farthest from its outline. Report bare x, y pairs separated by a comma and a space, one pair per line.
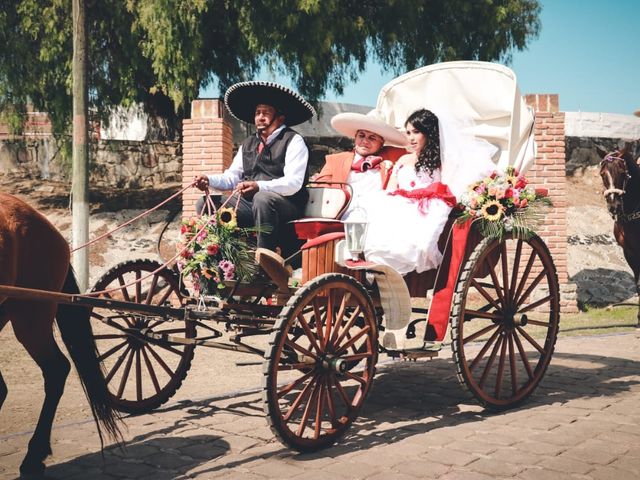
484, 95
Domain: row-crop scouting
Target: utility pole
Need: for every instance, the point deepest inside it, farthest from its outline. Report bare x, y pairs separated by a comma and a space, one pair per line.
80, 160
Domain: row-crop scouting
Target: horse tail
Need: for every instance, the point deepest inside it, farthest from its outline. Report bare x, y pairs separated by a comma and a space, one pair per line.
75, 330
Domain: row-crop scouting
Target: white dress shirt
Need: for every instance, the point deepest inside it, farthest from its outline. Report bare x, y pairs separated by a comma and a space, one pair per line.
362, 183
295, 166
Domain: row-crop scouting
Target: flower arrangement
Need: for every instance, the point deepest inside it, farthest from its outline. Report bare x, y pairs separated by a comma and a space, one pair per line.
214, 250
504, 202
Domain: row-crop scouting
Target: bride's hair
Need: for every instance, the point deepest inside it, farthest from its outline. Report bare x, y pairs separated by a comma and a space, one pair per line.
426, 123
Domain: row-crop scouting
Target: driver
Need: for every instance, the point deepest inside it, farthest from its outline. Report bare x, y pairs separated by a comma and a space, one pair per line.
270, 170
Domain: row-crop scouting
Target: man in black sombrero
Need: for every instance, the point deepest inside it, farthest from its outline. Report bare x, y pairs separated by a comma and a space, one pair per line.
270, 170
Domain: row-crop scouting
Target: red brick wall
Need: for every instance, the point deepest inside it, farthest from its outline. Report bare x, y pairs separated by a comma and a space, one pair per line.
549, 171
207, 146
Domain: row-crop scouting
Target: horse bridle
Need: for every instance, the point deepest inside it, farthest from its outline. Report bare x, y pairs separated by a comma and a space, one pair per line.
625, 217
613, 190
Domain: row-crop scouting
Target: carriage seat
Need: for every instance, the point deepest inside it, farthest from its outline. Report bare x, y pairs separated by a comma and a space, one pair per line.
327, 203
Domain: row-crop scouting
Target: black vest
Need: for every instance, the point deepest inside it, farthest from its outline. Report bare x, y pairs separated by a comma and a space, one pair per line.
269, 164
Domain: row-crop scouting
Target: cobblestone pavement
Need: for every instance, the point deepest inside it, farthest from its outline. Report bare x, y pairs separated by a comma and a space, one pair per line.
582, 423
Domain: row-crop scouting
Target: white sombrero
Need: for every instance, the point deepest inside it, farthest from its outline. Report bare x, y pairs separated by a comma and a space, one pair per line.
349, 123
241, 100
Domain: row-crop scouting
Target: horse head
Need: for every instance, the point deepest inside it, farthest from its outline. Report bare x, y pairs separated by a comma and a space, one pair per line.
615, 177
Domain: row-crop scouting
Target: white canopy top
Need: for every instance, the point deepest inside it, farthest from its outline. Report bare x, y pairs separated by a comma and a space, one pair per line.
484, 96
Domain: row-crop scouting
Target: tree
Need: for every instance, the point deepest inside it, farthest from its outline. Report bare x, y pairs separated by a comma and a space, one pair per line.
153, 51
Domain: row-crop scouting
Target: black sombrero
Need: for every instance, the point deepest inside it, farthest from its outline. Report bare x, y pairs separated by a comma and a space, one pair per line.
241, 100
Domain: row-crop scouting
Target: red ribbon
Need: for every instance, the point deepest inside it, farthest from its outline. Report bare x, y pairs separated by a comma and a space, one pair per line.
367, 163
423, 195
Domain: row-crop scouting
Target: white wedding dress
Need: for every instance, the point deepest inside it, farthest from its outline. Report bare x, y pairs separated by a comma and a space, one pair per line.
402, 233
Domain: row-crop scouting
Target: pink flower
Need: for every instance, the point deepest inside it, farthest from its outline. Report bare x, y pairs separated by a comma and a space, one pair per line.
228, 269
523, 202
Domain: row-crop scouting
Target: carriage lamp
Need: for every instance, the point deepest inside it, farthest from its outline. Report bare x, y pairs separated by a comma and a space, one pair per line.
355, 230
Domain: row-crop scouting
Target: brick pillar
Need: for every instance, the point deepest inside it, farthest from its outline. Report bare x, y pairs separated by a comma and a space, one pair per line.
207, 146
548, 171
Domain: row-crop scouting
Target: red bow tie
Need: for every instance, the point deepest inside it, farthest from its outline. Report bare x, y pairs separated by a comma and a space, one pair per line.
367, 163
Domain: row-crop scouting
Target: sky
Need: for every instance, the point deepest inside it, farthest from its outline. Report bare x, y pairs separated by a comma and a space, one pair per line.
588, 52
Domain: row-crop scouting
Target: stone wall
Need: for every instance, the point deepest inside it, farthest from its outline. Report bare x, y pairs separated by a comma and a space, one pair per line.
582, 151
120, 164
128, 164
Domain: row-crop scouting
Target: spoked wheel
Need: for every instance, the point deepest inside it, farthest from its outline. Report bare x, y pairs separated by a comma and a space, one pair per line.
141, 374
320, 363
505, 320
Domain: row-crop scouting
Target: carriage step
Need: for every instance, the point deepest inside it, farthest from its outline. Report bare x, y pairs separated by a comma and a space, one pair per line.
415, 353
248, 363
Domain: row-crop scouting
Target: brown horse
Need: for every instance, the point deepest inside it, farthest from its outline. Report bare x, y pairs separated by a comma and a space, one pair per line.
33, 254
621, 177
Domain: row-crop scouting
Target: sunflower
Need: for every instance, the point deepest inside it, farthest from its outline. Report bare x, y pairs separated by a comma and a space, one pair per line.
492, 211
512, 179
227, 218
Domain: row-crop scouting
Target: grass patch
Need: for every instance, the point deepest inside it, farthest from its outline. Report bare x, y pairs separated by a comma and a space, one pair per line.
594, 321
597, 321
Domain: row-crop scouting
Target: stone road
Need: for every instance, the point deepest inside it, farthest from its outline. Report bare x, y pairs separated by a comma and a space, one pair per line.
582, 423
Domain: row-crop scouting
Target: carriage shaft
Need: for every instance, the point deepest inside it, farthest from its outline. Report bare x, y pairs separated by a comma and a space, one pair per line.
87, 301
162, 338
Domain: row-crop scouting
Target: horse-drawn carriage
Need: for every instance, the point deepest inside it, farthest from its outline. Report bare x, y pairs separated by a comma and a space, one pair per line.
500, 296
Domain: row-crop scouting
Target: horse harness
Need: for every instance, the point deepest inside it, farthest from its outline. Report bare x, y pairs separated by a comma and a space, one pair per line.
624, 217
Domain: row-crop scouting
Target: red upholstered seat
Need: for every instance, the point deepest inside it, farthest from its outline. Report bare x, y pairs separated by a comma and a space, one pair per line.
307, 228
327, 202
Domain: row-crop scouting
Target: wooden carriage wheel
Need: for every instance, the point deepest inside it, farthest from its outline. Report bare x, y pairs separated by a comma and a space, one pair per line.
141, 374
505, 318
320, 363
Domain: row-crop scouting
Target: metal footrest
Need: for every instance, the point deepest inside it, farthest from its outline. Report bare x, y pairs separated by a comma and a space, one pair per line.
413, 353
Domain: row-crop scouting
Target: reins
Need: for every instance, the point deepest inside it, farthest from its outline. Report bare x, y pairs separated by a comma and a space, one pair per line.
129, 222
210, 210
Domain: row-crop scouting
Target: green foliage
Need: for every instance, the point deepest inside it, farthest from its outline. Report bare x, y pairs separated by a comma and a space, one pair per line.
161, 52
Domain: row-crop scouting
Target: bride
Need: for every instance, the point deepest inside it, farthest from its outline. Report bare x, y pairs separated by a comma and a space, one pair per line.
406, 220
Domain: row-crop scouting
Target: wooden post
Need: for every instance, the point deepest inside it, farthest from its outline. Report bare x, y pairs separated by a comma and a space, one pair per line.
80, 161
